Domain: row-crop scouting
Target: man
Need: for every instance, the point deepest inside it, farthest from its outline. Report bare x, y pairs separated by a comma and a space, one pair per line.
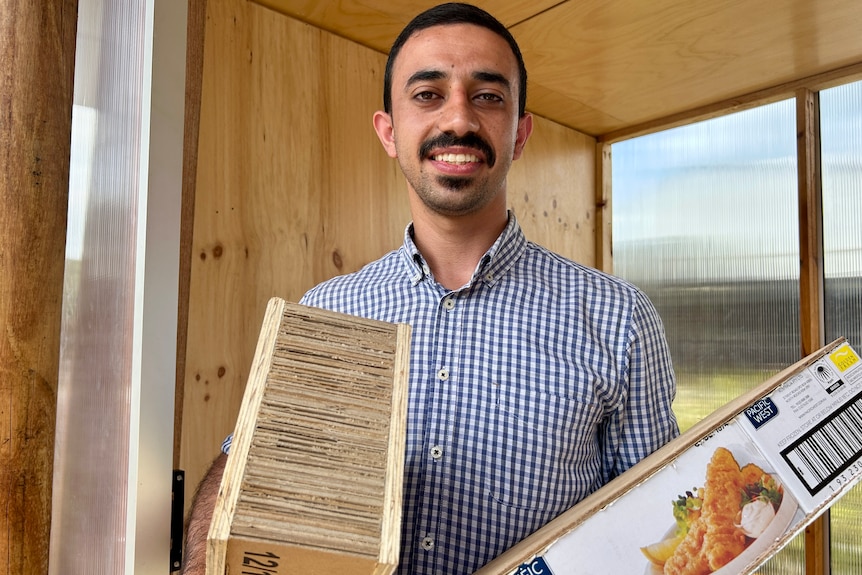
534, 380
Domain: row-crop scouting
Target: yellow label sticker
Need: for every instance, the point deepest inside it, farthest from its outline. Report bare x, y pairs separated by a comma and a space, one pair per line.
844, 357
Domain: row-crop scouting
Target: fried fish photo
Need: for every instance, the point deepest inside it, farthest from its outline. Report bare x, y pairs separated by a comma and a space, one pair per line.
716, 523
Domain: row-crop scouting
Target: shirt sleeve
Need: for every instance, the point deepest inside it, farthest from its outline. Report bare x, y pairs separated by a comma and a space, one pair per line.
645, 420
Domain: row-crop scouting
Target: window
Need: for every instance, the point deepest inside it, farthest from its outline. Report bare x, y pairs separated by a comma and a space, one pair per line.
706, 223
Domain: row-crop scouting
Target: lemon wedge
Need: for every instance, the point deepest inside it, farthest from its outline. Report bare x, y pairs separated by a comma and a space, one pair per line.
660, 552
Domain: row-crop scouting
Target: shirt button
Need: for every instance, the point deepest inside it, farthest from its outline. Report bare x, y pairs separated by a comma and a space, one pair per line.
443, 374
427, 543
489, 277
436, 452
449, 303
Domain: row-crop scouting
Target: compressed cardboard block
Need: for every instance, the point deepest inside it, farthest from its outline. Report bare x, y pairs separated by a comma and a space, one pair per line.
314, 479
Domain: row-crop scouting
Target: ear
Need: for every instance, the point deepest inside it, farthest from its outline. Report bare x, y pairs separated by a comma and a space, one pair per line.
525, 128
385, 132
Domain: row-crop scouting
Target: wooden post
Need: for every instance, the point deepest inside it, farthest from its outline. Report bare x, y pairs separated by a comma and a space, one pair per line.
604, 193
37, 58
817, 538
194, 85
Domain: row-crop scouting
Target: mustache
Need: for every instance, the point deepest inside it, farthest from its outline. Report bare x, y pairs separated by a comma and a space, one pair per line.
466, 141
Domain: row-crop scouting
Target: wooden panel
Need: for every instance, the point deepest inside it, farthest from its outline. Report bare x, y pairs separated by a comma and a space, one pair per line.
637, 61
316, 471
545, 101
601, 66
550, 189
376, 23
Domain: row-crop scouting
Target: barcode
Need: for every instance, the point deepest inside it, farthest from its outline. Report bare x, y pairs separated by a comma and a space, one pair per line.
829, 449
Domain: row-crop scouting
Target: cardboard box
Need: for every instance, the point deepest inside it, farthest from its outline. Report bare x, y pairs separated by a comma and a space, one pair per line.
746, 479
314, 480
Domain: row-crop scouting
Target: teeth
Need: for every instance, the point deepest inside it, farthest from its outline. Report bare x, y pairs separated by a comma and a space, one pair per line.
456, 158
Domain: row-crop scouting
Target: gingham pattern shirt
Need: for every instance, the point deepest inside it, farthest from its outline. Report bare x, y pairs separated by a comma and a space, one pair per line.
530, 387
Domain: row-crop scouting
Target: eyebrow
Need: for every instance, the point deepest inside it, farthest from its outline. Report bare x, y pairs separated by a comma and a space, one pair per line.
482, 76
493, 78
424, 76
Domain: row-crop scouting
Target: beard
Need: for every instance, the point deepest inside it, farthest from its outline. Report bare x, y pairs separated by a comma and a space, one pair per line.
454, 195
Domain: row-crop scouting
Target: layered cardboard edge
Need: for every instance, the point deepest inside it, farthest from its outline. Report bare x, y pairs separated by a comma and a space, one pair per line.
219, 532
394, 480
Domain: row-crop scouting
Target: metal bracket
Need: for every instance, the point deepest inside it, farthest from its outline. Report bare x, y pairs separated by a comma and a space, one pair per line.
177, 506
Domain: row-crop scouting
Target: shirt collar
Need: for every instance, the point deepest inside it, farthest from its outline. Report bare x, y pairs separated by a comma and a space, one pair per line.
499, 258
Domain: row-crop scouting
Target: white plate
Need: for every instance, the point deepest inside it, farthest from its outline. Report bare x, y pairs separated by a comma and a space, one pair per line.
775, 529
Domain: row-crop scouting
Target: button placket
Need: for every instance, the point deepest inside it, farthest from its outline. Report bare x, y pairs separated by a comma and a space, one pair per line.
441, 421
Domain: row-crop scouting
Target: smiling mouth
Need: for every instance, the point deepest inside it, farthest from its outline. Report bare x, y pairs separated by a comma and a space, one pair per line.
456, 158
455, 150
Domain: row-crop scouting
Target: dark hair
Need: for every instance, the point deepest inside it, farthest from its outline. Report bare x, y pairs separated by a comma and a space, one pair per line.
454, 13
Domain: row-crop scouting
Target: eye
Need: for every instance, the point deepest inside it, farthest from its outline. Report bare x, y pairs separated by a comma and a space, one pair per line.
489, 97
425, 96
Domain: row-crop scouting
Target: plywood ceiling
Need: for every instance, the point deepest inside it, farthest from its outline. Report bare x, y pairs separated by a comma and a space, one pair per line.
601, 66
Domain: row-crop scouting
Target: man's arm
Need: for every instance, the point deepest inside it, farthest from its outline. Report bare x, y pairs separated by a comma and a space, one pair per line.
200, 516
646, 420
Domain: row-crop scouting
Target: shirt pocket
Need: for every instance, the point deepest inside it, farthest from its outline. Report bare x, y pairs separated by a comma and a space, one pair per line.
544, 450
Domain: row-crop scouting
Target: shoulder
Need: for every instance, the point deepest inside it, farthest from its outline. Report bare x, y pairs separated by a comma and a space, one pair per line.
588, 279
586, 291
344, 292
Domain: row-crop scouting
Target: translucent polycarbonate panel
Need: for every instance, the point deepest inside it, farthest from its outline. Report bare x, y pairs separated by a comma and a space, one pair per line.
114, 450
95, 393
841, 159
705, 221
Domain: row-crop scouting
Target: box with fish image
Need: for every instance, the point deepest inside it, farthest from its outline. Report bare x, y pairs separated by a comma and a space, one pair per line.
726, 495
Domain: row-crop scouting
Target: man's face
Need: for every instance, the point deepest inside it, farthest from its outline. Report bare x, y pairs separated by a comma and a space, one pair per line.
454, 125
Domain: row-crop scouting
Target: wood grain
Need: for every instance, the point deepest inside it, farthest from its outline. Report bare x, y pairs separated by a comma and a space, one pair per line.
194, 79
37, 59
376, 23
551, 189
601, 66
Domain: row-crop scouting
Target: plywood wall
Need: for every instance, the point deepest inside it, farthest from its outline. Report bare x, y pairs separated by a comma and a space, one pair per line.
552, 190
293, 188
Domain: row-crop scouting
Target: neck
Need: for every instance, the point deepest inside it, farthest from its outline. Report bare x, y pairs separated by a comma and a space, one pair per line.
453, 245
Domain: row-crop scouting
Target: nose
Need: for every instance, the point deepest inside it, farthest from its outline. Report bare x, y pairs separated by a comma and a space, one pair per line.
457, 116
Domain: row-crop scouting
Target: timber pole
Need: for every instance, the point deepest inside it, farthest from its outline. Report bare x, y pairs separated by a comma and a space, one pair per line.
37, 58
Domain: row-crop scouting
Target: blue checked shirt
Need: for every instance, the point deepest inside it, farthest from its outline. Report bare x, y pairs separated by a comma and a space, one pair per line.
530, 387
